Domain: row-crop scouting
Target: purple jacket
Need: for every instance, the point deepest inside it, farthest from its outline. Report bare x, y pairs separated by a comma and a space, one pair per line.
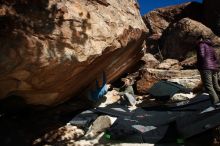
206, 56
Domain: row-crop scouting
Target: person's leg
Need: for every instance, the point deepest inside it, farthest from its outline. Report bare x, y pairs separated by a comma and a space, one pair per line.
206, 76
215, 82
130, 98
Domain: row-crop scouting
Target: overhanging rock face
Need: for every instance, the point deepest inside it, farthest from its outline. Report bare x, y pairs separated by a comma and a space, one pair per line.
53, 50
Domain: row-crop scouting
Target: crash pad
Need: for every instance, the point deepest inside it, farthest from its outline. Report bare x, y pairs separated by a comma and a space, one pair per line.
164, 90
199, 122
197, 103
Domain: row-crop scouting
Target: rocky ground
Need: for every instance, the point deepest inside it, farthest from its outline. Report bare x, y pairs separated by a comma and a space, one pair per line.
55, 51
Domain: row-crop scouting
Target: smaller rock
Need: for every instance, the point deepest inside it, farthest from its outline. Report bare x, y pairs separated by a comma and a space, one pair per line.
167, 64
189, 62
110, 98
190, 82
182, 96
99, 126
176, 67
150, 61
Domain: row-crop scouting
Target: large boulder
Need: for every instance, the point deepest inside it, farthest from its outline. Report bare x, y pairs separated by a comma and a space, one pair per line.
53, 50
160, 19
179, 40
148, 77
212, 14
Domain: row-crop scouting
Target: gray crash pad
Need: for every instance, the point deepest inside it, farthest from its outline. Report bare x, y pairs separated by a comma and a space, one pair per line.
164, 90
84, 119
197, 103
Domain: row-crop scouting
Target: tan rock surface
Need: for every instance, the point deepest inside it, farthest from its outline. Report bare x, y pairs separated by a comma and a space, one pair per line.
55, 49
62, 136
168, 63
159, 19
179, 41
150, 61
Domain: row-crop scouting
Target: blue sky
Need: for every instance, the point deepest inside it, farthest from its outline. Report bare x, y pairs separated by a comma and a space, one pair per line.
148, 5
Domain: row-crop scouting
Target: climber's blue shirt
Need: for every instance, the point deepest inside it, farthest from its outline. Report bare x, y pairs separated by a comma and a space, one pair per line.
99, 92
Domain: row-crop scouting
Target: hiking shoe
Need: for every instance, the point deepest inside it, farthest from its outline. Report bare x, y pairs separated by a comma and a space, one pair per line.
217, 105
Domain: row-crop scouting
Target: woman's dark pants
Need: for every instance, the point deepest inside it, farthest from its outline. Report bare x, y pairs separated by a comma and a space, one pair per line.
210, 81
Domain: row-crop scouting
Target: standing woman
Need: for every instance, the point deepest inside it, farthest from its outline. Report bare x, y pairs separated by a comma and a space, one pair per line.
208, 66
